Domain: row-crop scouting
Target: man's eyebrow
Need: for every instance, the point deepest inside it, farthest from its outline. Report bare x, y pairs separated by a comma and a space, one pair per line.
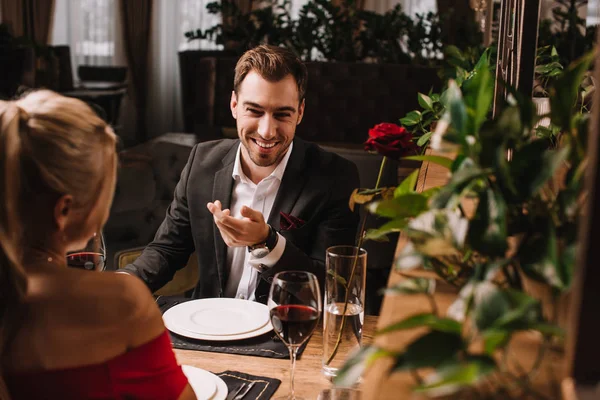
279, 109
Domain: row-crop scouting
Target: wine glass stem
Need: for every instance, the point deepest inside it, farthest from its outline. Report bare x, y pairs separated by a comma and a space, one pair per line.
293, 353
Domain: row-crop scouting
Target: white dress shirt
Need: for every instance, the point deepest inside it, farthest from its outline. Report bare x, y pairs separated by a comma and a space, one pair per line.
243, 277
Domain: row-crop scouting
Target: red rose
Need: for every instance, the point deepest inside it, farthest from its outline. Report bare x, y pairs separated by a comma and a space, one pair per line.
390, 140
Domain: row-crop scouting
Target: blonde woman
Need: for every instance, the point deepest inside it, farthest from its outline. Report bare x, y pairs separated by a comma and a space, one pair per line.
68, 333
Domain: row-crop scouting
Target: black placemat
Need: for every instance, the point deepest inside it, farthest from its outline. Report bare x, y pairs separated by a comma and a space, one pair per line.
267, 345
263, 388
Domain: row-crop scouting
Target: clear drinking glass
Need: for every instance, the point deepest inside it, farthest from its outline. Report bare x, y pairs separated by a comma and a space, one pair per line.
91, 257
294, 308
343, 314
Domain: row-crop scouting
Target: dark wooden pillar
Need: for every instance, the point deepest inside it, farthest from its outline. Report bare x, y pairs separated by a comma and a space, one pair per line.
517, 46
583, 347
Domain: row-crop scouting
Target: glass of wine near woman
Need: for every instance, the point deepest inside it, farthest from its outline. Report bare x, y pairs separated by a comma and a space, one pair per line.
91, 257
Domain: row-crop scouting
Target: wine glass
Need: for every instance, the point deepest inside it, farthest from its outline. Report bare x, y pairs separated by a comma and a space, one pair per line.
91, 257
294, 308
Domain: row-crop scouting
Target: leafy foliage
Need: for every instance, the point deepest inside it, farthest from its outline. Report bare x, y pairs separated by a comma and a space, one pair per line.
328, 31
521, 225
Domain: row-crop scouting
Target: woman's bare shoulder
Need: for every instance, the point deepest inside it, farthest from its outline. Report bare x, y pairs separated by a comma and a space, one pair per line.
121, 301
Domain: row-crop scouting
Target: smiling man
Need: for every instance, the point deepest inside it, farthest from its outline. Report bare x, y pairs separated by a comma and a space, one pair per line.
261, 204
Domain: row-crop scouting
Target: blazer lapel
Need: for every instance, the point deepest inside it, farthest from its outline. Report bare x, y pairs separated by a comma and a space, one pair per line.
222, 191
291, 186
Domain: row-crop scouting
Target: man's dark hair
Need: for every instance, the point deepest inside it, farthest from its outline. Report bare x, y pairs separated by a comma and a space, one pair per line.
273, 64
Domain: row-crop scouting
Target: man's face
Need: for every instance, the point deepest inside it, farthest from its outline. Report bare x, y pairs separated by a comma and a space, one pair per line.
267, 114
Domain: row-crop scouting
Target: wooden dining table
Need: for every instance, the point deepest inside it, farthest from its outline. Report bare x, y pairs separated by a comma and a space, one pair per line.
309, 381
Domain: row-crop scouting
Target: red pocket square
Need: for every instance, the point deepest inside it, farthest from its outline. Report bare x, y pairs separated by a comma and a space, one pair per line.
288, 222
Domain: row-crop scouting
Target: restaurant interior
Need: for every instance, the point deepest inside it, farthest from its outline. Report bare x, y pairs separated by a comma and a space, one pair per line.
472, 127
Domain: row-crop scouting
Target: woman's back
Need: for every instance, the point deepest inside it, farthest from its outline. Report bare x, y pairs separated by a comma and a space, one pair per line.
91, 335
67, 333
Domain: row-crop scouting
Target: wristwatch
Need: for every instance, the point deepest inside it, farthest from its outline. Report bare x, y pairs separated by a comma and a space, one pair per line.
261, 250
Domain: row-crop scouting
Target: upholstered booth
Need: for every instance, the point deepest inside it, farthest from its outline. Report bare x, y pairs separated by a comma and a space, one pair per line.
343, 100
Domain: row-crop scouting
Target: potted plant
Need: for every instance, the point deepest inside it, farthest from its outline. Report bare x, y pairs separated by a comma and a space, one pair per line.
499, 222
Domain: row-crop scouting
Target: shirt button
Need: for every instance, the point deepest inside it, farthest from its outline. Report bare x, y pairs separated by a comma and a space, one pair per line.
242, 297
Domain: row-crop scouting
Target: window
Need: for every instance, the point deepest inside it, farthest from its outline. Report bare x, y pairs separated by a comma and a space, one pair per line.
593, 13
193, 15
88, 27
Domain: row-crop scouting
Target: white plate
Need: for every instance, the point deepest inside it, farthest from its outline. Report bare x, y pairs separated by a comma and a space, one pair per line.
218, 316
196, 378
203, 382
182, 332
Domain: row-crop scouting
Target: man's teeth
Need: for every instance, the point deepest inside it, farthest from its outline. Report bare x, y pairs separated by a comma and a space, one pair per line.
265, 145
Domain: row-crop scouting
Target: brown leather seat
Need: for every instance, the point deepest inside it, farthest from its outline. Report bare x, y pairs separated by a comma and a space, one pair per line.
184, 280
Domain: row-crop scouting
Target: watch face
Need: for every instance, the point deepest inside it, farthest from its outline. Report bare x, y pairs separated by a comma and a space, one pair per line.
259, 252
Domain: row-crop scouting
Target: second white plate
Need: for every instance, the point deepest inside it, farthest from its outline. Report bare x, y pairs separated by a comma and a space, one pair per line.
198, 378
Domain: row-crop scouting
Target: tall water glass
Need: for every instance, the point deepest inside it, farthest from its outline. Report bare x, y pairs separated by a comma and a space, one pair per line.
294, 308
343, 313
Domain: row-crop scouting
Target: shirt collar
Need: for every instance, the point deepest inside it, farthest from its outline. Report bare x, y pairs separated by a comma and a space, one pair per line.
277, 172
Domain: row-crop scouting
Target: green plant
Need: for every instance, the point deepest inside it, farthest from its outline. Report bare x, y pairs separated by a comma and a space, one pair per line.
421, 123
240, 31
328, 31
566, 31
547, 68
521, 227
380, 36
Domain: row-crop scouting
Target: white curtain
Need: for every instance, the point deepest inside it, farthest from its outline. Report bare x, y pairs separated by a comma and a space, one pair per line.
593, 12
410, 7
170, 20
91, 29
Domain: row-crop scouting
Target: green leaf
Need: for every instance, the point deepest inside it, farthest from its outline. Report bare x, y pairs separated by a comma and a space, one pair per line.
523, 312
409, 258
431, 321
413, 286
430, 350
533, 165
539, 258
494, 339
424, 138
489, 304
487, 230
407, 205
567, 264
457, 109
356, 364
478, 92
392, 226
563, 95
452, 377
408, 184
412, 118
443, 161
466, 173
425, 101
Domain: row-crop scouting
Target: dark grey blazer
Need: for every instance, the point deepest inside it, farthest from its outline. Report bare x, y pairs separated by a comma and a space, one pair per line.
316, 187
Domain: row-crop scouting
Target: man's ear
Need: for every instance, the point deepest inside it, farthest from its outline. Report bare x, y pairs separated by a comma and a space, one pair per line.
301, 111
63, 210
233, 104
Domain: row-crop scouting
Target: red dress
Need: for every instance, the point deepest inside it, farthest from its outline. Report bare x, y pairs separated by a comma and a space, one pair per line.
149, 371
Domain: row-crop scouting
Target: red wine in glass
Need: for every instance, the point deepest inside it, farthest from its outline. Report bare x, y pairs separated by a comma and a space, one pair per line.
294, 323
92, 257
294, 307
86, 260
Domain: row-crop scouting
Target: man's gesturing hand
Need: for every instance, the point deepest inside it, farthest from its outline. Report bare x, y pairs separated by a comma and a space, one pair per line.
250, 229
